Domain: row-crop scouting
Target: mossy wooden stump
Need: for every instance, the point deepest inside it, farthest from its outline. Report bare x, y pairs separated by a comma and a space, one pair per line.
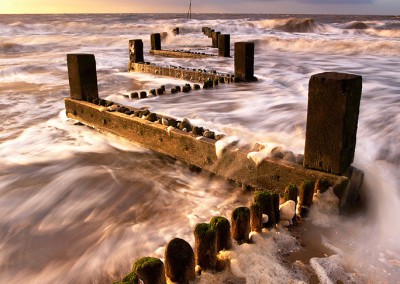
241, 224
205, 250
222, 228
266, 202
179, 261
150, 270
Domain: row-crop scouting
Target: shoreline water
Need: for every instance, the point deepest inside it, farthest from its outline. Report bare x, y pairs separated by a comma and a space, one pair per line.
85, 199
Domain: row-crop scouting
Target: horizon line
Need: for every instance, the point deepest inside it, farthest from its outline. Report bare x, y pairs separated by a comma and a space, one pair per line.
202, 13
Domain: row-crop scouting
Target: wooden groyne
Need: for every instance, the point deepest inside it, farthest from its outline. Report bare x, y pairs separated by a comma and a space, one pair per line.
332, 95
220, 41
243, 62
156, 49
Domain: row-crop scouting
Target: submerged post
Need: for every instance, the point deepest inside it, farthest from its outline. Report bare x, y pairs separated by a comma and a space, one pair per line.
136, 51
155, 40
224, 45
214, 37
82, 77
332, 118
244, 61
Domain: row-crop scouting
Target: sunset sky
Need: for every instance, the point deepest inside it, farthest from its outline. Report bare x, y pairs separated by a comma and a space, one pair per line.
391, 7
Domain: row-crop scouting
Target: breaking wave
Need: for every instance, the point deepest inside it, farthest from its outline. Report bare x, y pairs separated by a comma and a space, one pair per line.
334, 46
294, 25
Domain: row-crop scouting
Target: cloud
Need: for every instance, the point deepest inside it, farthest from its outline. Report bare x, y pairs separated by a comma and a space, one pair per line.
318, 1
336, 1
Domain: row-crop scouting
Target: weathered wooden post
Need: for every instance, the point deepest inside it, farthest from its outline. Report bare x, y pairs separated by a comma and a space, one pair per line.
255, 217
265, 200
176, 31
321, 185
82, 77
205, 251
136, 51
275, 202
241, 224
155, 41
214, 37
150, 270
332, 118
291, 193
224, 45
306, 197
223, 229
179, 261
210, 31
244, 61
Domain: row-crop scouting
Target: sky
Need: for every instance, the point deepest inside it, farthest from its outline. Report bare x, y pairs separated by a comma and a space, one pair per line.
376, 7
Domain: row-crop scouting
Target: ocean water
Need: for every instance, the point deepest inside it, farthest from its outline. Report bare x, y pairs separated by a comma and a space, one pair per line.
78, 206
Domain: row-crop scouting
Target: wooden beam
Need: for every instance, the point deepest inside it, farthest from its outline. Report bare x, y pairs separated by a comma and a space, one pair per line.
271, 174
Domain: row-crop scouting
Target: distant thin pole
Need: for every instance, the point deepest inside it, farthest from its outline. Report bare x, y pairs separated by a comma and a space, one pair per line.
189, 14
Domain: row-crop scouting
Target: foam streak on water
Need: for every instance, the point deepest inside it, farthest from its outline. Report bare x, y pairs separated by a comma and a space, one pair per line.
77, 206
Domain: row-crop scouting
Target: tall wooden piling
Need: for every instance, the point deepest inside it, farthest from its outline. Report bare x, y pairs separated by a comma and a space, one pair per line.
332, 118
136, 51
205, 251
224, 45
82, 77
241, 224
179, 261
244, 61
155, 41
214, 37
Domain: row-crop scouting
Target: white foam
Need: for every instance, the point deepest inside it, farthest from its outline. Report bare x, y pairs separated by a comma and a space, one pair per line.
331, 269
169, 129
325, 209
287, 210
221, 144
257, 157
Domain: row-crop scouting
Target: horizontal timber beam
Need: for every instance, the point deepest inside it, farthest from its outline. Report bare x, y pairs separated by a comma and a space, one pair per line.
272, 174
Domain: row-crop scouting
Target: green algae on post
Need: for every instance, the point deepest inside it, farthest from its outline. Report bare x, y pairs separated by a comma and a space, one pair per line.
223, 229
205, 250
179, 261
150, 270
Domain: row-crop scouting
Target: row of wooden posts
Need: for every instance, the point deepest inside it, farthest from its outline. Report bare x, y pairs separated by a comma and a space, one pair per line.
243, 57
217, 235
220, 41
